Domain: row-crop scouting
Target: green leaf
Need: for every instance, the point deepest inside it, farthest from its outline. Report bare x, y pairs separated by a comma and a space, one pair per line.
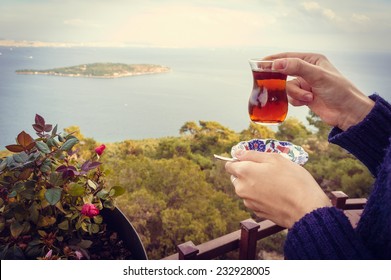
85, 244
43, 147
18, 187
61, 138
76, 190
53, 195
64, 225
88, 198
108, 204
16, 229
28, 194
3, 165
91, 184
98, 219
69, 144
84, 226
103, 194
54, 131
46, 166
45, 221
117, 191
34, 212
52, 142
94, 228
21, 157
56, 179
12, 194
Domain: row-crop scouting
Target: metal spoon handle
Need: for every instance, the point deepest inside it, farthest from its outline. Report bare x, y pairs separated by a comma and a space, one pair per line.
225, 158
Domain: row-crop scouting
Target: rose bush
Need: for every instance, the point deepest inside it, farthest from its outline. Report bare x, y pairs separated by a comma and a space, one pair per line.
50, 197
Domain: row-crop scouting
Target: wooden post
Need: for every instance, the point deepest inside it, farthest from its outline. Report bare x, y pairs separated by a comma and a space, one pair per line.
187, 251
248, 239
338, 199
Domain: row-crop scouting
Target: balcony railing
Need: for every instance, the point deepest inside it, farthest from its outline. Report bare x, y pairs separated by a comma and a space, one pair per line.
250, 232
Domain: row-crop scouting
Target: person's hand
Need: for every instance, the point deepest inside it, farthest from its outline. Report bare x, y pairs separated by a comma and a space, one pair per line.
322, 88
274, 187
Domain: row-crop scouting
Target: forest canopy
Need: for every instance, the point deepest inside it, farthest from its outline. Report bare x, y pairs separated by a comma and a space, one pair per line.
177, 192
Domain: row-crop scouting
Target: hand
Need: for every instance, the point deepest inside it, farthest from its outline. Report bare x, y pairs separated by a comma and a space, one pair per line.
275, 188
322, 88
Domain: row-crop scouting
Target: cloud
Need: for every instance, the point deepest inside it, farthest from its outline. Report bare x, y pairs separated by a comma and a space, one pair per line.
316, 8
311, 6
360, 18
193, 26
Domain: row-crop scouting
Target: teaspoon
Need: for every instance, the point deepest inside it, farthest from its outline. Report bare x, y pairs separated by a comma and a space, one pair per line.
225, 158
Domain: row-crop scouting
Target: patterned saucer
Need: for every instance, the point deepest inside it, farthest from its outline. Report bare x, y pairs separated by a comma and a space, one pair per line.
293, 152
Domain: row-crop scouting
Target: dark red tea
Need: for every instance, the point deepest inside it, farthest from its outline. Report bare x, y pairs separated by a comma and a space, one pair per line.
268, 101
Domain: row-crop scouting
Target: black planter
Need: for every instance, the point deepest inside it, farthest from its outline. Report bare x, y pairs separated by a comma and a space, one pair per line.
118, 222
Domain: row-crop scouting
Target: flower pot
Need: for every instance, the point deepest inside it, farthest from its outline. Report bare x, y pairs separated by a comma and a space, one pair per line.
117, 221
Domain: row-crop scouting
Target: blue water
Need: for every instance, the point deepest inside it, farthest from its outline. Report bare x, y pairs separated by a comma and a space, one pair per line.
204, 84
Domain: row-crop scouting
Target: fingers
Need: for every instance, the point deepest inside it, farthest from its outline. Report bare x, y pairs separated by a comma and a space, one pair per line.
255, 156
312, 58
299, 92
299, 68
247, 162
305, 65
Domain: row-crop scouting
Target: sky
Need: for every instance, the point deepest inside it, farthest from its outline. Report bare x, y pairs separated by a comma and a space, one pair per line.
310, 25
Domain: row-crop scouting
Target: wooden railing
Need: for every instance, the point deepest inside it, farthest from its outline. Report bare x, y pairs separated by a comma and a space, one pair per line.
250, 232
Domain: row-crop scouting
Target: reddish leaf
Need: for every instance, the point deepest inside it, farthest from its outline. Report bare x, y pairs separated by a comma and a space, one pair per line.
15, 148
39, 120
48, 127
62, 168
94, 164
29, 147
88, 165
24, 139
38, 127
25, 174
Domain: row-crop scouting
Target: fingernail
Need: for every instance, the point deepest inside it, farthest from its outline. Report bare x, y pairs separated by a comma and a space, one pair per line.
279, 64
308, 97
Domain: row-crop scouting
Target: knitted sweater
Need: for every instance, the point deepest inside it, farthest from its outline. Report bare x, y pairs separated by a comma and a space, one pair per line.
326, 233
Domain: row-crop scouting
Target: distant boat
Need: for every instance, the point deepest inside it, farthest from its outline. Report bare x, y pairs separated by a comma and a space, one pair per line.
31, 57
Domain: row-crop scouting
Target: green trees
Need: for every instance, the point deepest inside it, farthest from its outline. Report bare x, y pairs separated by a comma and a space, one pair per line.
170, 201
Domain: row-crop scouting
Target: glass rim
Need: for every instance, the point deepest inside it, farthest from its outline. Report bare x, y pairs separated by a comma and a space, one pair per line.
259, 60
261, 65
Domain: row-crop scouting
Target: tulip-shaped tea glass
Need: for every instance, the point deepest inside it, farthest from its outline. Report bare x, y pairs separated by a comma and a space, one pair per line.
268, 102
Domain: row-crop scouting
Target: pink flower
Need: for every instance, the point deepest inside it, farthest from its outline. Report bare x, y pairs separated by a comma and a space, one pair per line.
99, 150
89, 210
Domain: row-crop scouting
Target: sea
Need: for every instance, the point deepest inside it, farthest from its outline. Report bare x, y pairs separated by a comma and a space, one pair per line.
209, 84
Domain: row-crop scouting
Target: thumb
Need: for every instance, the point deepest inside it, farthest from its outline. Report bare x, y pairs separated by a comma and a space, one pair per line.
299, 68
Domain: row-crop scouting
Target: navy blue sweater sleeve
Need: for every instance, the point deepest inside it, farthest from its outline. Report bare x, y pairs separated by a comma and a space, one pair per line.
324, 234
369, 140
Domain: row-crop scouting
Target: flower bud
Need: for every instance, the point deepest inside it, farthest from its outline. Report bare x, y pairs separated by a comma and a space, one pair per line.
99, 150
89, 210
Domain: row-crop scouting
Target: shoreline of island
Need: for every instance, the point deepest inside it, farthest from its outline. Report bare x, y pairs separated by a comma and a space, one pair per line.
100, 70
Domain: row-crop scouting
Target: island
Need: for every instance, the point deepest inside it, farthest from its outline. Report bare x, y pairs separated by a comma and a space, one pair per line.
100, 70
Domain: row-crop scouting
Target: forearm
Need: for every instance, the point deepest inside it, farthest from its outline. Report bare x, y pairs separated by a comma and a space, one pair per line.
369, 139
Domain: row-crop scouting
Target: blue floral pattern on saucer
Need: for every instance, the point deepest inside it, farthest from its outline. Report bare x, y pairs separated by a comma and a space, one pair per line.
293, 152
